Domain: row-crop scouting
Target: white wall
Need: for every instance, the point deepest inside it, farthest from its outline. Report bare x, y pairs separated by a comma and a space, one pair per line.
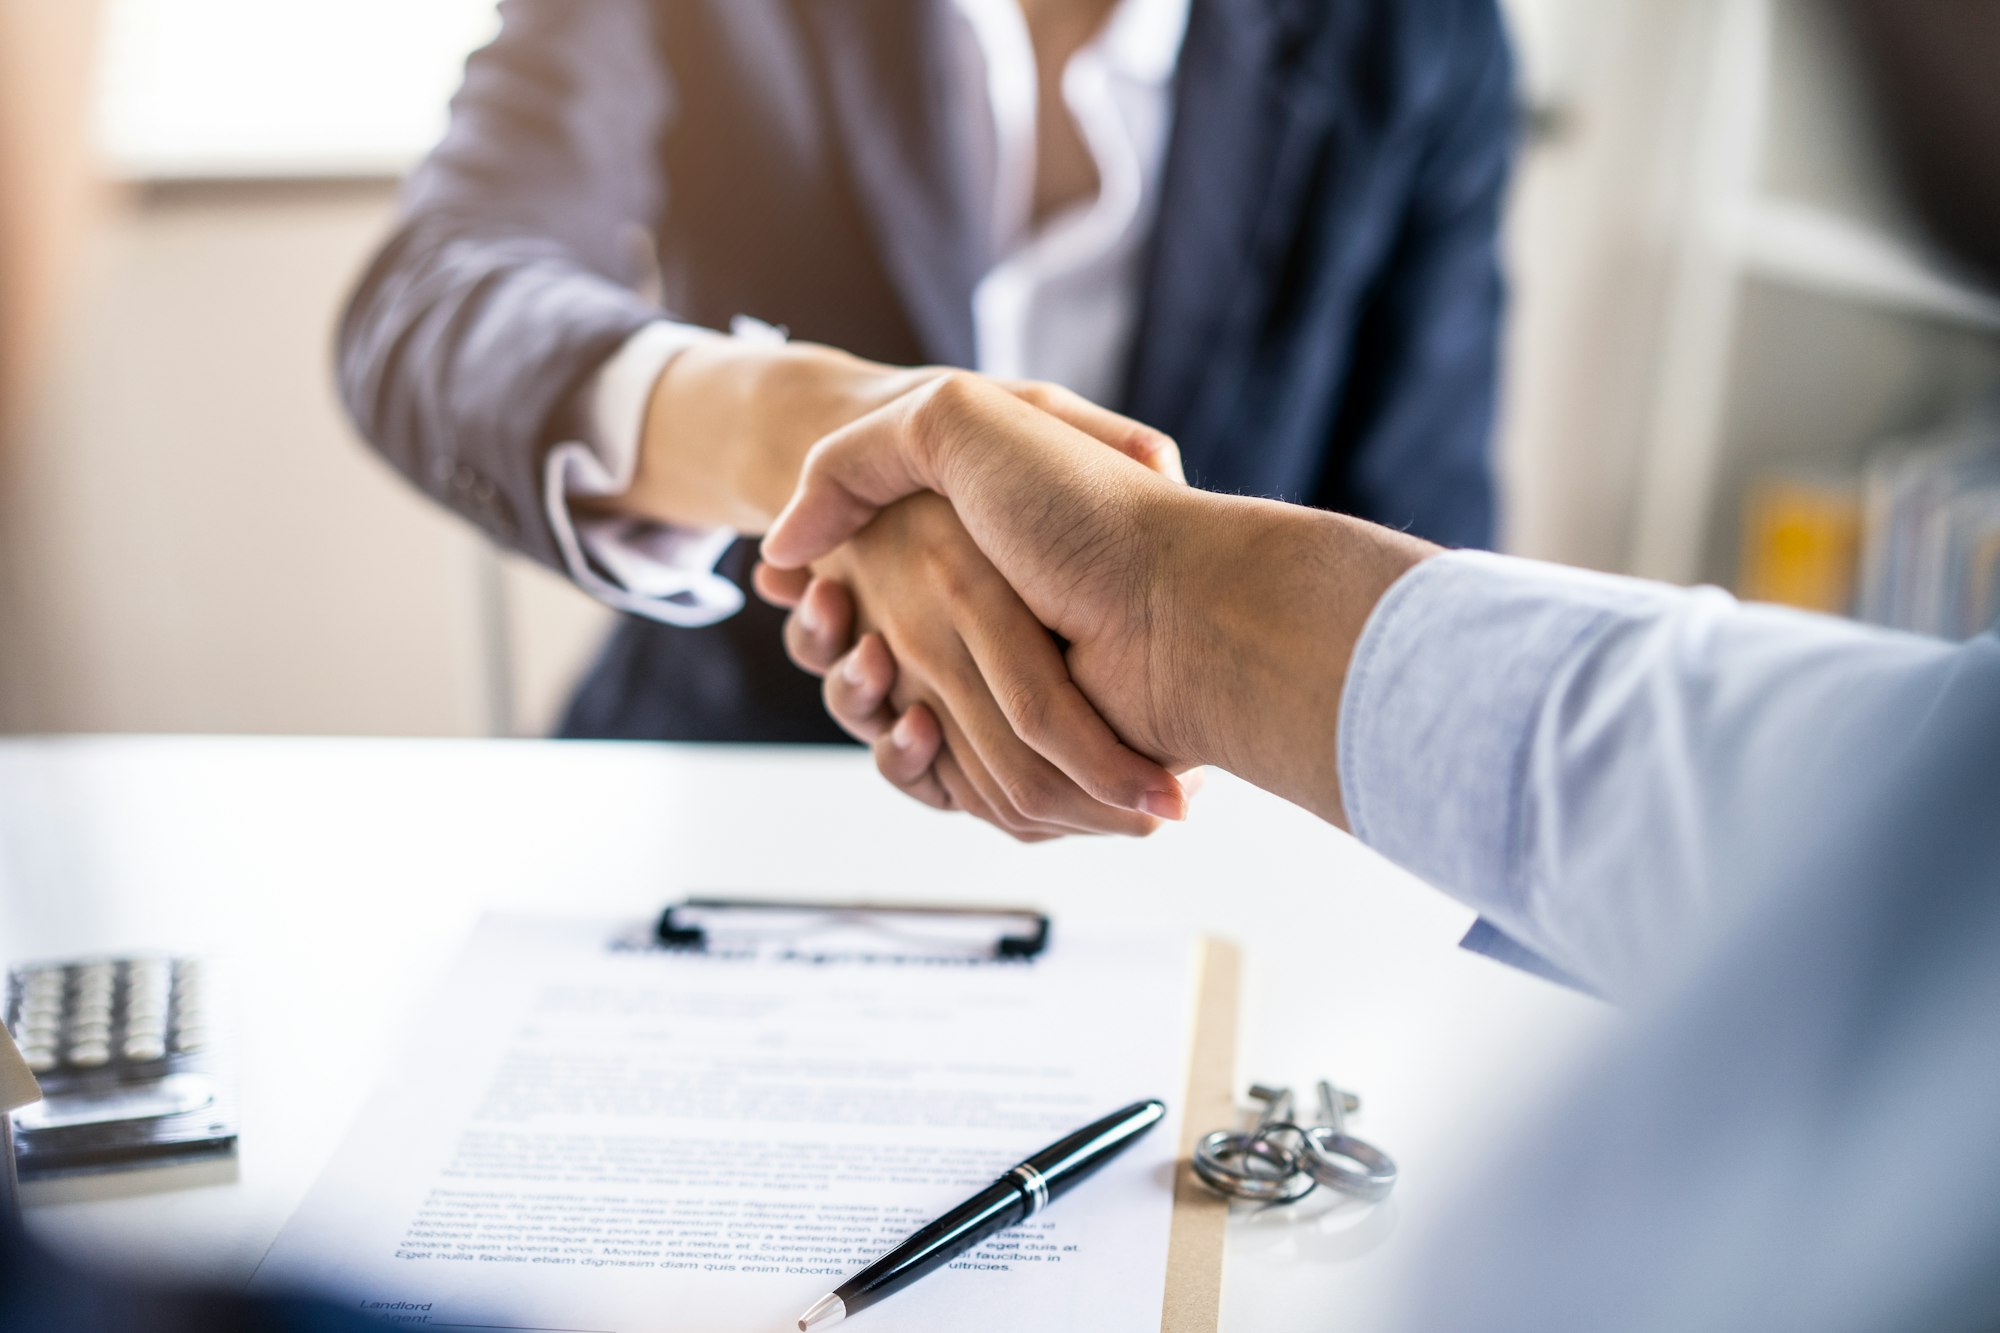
192, 538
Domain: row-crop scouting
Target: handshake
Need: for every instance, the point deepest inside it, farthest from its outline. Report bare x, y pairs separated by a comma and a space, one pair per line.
1012, 595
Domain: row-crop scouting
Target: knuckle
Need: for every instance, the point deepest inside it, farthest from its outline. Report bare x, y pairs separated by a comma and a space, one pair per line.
840, 705
1027, 708
946, 570
1057, 395
950, 398
1032, 794
885, 765
795, 646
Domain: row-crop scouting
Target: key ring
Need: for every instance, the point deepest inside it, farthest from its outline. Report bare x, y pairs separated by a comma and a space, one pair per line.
1326, 1156
1280, 1162
1224, 1160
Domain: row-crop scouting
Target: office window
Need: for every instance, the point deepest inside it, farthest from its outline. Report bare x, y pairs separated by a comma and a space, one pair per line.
284, 88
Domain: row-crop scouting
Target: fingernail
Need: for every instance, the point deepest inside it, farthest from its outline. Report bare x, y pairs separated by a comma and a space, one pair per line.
808, 618
851, 670
1164, 805
904, 734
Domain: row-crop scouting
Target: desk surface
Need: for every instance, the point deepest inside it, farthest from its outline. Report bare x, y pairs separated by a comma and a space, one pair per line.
331, 879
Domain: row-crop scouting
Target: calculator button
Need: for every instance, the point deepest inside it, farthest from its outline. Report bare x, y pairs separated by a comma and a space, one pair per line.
190, 1039
90, 1054
41, 1059
88, 1034
145, 1048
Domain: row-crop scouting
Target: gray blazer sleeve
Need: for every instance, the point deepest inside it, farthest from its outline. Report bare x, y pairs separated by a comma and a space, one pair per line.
509, 277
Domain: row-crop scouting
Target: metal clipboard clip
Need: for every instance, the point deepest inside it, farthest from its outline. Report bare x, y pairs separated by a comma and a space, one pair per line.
828, 932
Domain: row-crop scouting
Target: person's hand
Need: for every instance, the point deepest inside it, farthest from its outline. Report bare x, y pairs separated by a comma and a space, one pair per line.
1205, 629
726, 430
1072, 550
949, 646
949, 649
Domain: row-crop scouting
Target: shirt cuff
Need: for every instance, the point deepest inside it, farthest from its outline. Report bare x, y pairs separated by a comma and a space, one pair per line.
1438, 715
660, 571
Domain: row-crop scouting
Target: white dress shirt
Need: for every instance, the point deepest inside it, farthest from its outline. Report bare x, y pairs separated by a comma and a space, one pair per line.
1059, 304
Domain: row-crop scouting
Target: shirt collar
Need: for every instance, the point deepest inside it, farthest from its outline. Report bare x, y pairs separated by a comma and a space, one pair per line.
1142, 39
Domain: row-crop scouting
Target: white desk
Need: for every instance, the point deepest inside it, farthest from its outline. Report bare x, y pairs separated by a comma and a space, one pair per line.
331, 880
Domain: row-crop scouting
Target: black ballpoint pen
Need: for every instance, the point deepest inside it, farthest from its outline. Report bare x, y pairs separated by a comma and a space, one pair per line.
1015, 1197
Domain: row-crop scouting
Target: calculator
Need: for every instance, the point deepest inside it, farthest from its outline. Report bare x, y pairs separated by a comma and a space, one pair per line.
125, 1053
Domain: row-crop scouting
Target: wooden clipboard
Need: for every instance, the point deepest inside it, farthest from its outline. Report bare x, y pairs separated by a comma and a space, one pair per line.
1193, 1301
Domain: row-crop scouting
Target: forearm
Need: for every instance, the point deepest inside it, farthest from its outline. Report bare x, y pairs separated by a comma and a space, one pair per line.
1267, 602
1583, 759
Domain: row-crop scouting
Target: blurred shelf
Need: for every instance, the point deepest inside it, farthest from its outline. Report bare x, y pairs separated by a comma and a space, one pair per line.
1821, 251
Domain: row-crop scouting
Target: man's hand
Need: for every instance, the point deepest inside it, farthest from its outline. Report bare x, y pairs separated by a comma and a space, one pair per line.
727, 429
948, 645
1205, 629
1067, 521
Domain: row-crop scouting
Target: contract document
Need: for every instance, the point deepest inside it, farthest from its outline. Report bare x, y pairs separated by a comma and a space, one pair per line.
589, 1138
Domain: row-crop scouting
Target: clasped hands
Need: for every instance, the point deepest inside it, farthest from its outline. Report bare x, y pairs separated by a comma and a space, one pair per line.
1012, 594
999, 649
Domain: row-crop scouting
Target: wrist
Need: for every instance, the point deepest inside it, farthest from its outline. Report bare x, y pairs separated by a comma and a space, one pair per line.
1274, 599
792, 397
729, 423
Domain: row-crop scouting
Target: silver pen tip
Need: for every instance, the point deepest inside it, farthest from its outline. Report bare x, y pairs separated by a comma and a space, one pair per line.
826, 1311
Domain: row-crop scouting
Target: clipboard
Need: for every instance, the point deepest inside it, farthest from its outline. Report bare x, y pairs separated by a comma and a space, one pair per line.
1193, 1302
1193, 1298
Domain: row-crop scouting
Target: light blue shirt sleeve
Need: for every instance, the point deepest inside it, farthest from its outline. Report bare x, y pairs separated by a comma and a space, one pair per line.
1587, 761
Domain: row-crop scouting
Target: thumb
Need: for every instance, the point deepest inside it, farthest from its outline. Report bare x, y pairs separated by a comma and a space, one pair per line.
849, 477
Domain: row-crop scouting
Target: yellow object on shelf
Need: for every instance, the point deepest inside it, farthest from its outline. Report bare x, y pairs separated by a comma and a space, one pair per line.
1802, 543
